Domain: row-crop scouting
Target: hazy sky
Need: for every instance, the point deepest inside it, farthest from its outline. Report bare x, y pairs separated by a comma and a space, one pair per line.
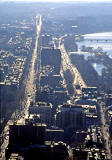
61, 0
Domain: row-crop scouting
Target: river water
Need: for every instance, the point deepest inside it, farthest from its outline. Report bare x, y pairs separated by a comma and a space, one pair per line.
90, 40
98, 68
96, 40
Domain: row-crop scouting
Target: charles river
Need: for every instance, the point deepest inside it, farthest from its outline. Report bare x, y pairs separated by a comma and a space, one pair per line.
96, 40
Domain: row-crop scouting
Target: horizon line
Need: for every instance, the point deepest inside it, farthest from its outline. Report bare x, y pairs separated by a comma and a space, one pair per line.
62, 1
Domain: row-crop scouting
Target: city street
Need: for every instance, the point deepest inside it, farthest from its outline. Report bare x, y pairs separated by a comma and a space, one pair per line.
105, 131
29, 92
31, 86
66, 63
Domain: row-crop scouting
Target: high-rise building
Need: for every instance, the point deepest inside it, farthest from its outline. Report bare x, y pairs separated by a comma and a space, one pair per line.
28, 142
44, 110
51, 57
25, 135
70, 116
22, 138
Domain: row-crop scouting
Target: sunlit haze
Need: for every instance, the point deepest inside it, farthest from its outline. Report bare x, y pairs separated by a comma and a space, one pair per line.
56, 79
59, 0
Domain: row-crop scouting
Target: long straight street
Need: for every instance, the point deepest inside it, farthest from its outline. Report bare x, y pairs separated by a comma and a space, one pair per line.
66, 63
105, 131
29, 90
31, 86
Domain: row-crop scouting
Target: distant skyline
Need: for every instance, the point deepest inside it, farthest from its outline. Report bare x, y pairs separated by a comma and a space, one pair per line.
57, 0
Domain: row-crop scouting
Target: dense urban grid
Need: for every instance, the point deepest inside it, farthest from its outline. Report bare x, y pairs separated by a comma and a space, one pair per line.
55, 82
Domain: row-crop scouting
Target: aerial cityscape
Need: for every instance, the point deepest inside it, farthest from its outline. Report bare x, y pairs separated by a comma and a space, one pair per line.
55, 80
